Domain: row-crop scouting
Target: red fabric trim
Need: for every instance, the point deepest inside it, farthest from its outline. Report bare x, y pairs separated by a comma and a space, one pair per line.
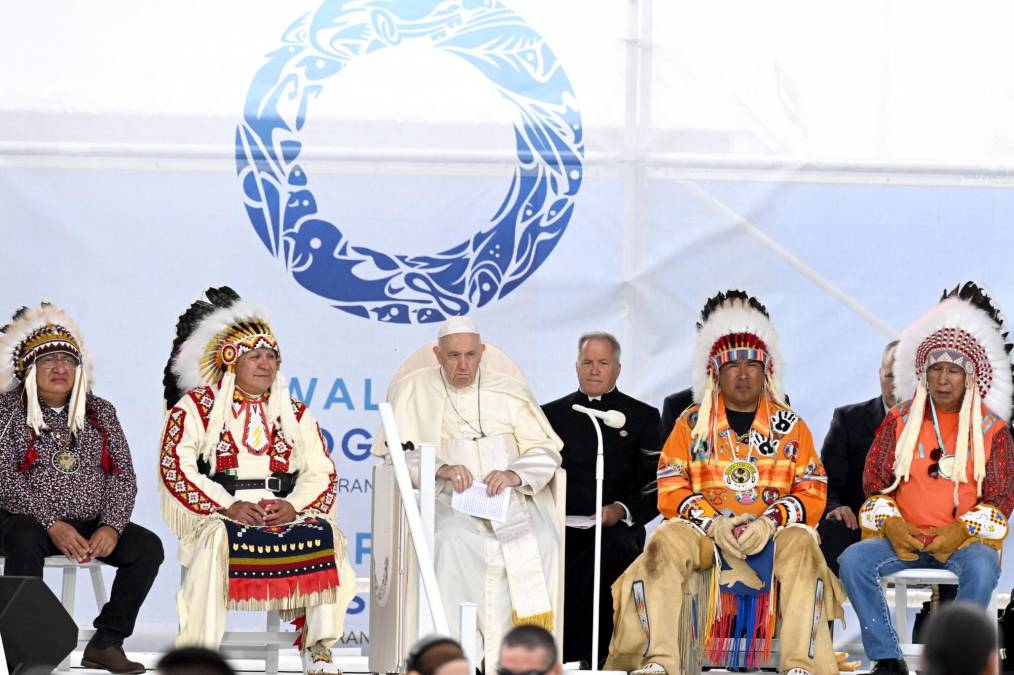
278, 566
1000, 473
879, 472
203, 398
31, 454
299, 623
298, 409
263, 590
325, 501
742, 340
280, 452
226, 453
108, 463
185, 492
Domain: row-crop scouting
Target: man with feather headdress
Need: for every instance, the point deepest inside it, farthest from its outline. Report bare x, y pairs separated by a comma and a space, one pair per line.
939, 474
742, 488
67, 484
247, 484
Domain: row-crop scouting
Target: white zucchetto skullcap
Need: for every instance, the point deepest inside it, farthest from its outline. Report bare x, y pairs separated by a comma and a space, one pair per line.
458, 324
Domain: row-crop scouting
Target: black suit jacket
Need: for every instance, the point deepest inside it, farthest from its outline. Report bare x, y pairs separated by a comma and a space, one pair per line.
630, 453
844, 451
672, 407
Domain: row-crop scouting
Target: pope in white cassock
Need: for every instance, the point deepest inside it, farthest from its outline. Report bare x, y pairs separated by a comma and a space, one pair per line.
487, 428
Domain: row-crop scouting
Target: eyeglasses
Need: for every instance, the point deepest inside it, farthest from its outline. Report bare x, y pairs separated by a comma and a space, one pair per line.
52, 360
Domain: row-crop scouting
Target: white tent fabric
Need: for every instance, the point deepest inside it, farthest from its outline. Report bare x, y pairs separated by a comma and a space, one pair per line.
844, 163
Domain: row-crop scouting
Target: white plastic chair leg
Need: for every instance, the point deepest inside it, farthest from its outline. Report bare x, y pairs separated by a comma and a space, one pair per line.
98, 587
468, 621
271, 648
68, 593
901, 610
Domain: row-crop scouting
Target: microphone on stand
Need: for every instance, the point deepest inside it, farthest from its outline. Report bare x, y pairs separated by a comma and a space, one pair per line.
612, 418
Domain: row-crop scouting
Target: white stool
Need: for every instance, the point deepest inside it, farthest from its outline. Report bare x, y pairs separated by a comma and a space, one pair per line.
264, 644
917, 577
69, 590
267, 643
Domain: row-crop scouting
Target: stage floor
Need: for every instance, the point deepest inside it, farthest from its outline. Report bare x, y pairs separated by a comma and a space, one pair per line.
288, 662
148, 647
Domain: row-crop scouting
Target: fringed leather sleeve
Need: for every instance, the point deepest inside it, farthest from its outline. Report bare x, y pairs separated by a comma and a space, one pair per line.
187, 496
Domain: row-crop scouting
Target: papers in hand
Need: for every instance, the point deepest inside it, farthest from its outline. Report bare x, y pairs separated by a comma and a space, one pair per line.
580, 522
475, 502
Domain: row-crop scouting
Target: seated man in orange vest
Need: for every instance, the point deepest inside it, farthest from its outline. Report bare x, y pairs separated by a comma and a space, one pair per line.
738, 480
938, 476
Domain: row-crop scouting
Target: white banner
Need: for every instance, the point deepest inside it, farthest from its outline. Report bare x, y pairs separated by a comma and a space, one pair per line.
366, 168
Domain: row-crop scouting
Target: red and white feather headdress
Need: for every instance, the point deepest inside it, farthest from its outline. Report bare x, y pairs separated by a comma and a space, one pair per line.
967, 329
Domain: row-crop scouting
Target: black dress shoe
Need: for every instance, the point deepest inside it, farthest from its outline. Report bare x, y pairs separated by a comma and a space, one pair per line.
890, 667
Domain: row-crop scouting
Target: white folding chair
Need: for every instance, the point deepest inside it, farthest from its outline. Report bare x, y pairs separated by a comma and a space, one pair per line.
902, 582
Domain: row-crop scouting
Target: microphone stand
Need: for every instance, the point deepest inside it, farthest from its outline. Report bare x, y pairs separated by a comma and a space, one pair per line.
599, 477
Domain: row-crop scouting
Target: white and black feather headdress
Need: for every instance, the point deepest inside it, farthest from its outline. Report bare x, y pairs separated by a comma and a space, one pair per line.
211, 336
733, 325
728, 321
206, 329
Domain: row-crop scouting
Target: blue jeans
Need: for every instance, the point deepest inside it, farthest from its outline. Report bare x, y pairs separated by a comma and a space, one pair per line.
862, 565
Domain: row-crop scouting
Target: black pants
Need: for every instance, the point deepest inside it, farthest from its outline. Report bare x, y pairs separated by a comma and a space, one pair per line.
834, 539
137, 556
620, 546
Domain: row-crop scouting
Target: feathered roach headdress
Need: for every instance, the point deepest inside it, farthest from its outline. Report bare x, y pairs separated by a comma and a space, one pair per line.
32, 333
968, 330
733, 326
211, 336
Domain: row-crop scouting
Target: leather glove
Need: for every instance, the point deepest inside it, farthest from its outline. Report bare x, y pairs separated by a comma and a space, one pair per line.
756, 535
947, 540
721, 531
901, 534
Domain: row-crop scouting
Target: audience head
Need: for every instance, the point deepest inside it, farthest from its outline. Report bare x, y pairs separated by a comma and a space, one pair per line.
193, 661
960, 640
528, 650
887, 374
436, 655
598, 362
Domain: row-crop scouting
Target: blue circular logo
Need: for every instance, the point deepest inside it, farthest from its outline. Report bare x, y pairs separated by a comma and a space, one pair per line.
405, 287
